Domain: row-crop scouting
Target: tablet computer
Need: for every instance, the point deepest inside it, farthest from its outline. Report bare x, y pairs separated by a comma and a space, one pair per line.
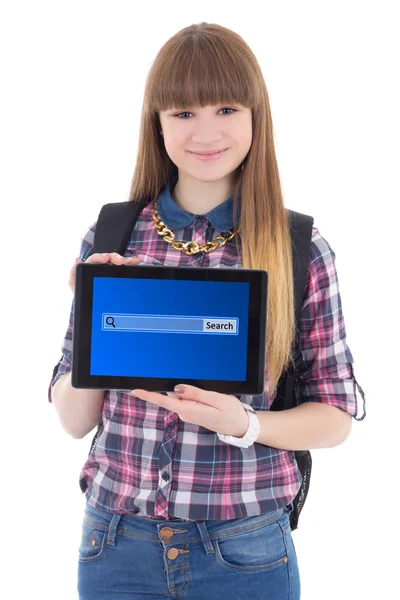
152, 327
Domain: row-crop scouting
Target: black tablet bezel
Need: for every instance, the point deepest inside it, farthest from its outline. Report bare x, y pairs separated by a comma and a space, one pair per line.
82, 330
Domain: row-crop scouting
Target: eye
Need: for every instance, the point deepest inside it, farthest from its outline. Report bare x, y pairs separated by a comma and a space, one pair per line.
189, 113
229, 109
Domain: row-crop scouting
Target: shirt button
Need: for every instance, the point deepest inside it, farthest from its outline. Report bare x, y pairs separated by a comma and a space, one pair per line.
170, 426
165, 476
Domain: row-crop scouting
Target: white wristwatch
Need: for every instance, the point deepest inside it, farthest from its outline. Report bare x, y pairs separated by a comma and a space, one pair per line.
251, 434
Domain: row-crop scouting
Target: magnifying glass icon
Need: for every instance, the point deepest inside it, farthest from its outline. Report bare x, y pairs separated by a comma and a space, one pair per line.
110, 321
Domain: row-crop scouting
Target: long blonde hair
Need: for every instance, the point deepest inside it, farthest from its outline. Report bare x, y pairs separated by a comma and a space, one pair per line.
207, 64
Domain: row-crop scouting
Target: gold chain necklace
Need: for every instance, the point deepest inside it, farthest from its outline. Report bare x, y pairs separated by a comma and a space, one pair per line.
190, 247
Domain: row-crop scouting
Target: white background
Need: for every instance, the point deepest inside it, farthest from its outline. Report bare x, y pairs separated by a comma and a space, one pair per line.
72, 78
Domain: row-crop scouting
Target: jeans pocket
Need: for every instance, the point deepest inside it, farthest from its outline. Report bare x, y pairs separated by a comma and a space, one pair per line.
93, 542
260, 549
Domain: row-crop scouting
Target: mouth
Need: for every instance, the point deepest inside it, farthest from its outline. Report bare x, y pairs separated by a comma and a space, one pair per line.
209, 154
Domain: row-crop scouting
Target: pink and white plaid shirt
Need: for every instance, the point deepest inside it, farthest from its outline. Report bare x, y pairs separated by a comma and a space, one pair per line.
148, 462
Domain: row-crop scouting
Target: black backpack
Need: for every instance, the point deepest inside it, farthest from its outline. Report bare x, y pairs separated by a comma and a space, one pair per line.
113, 232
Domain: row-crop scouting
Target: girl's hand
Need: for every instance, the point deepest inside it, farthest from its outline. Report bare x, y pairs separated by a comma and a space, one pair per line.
107, 257
218, 412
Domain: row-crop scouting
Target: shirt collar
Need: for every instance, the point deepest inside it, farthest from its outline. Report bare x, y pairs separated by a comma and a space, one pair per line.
174, 217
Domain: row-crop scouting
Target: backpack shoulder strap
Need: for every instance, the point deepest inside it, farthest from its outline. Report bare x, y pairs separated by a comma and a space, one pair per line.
114, 226
301, 231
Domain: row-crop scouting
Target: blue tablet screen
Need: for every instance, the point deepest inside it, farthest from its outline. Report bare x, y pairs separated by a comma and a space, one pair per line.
170, 328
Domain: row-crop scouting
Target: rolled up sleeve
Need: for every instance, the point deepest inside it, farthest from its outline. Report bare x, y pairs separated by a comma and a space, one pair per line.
324, 369
64, 365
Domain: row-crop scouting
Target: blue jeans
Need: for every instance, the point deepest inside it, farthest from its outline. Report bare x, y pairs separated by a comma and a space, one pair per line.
124, 557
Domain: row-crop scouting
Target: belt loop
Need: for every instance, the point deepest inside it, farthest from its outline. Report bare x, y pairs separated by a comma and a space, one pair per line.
205, 537
112, 530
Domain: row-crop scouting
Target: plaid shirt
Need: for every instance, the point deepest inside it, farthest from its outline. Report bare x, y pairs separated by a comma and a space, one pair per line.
146, 461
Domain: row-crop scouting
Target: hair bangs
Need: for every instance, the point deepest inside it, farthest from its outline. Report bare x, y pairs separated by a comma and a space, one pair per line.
191, 75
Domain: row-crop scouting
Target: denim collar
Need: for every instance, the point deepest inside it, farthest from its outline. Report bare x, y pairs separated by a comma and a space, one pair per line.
174, 217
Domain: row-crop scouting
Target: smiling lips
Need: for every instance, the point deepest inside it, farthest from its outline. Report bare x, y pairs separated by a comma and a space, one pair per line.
210, 155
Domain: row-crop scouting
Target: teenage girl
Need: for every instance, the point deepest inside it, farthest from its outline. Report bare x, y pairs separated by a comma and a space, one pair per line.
174, 509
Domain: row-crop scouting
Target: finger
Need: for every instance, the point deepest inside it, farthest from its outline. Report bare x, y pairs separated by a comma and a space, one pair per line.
183, 399
98, 258
173, 395
190, 392
170, 403
116, 258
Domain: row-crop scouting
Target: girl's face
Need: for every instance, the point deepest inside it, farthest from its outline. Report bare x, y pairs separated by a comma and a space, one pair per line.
193, 129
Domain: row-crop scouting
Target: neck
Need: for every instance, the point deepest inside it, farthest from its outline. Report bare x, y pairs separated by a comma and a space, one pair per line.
199, 197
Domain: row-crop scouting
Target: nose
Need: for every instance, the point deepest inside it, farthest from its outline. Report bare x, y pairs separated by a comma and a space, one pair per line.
206, 134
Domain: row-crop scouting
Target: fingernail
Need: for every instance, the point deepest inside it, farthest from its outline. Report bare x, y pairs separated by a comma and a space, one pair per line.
179, 389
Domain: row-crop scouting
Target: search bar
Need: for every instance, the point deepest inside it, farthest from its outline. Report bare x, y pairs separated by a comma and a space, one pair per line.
170, 324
